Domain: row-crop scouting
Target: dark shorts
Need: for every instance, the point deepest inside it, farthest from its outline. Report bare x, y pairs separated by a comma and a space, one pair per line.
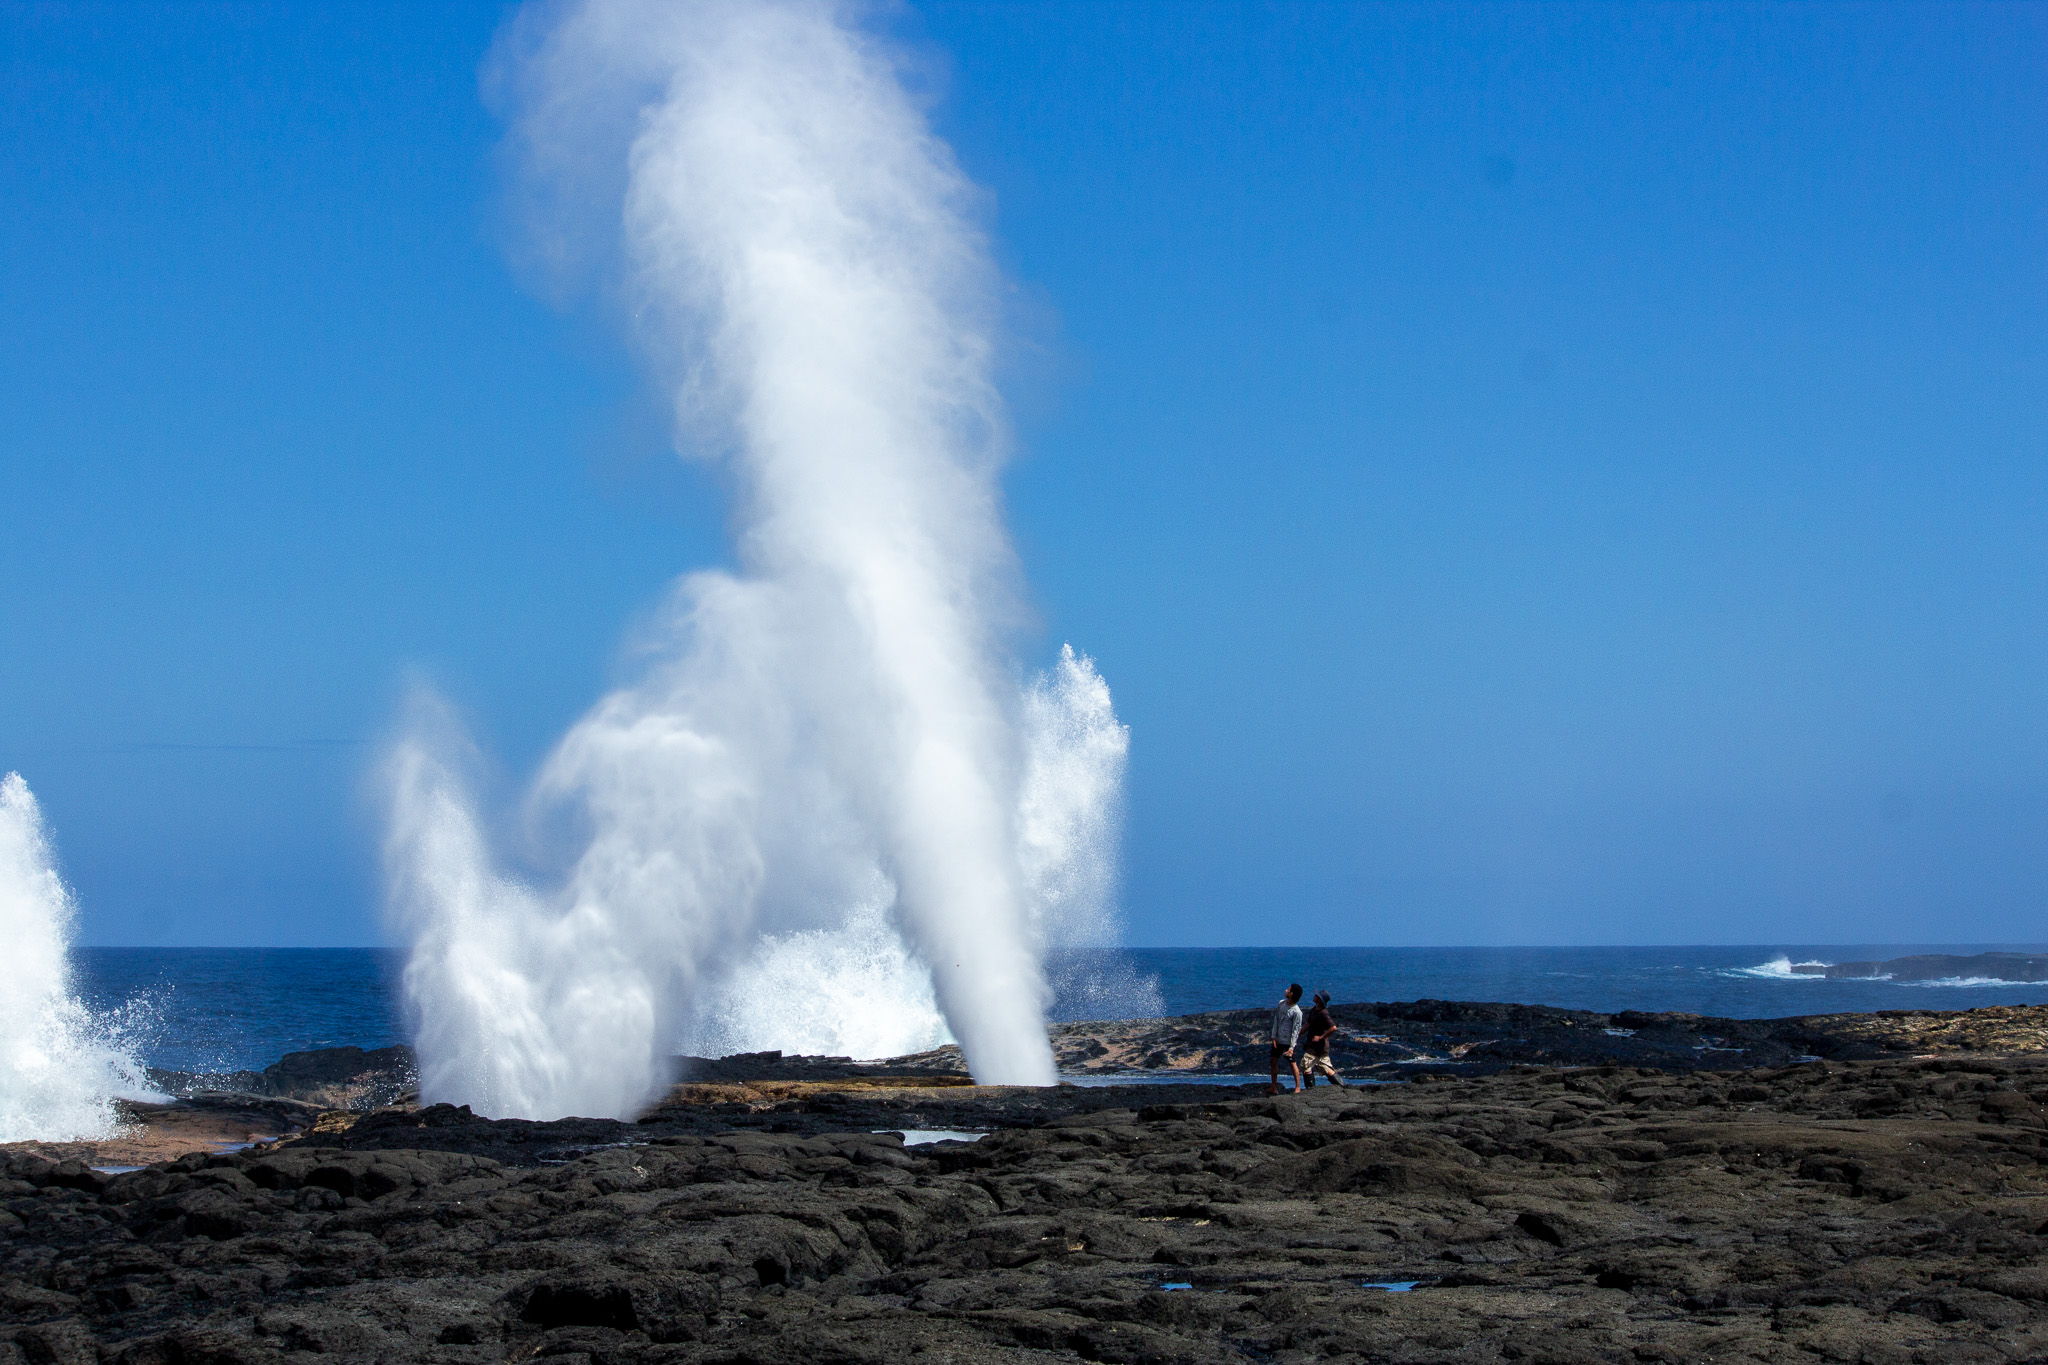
1281, 1050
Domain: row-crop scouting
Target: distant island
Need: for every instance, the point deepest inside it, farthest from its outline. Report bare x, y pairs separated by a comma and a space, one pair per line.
1937, 967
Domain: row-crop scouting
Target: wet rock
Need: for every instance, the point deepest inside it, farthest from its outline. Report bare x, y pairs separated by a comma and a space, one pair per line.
324, 1078
342, 1077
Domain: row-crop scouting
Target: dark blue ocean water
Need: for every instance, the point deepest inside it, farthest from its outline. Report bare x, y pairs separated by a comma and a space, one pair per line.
1754, 982
224, 1009
227, 1009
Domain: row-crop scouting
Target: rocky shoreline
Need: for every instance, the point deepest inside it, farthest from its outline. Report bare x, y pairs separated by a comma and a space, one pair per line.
1393, 1040
1889, 1203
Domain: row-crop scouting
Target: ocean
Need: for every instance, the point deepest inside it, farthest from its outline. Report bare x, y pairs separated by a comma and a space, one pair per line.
227, 1009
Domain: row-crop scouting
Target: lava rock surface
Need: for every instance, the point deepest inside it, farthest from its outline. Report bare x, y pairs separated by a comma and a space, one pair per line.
1879, 1211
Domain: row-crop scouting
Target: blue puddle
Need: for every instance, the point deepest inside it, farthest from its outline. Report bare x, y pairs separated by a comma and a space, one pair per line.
1176, 1286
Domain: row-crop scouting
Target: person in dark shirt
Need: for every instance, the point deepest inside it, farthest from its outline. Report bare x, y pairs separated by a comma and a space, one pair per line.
1317, 1028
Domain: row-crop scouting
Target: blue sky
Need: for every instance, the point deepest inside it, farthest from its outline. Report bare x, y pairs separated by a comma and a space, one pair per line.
1531, 474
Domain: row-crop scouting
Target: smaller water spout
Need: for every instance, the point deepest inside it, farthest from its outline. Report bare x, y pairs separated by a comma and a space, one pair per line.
60, 1068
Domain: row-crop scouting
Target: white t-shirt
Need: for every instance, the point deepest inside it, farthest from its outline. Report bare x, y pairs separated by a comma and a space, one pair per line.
1286, 1023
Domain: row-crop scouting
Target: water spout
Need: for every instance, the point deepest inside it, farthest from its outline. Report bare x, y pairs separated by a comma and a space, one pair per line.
828, 816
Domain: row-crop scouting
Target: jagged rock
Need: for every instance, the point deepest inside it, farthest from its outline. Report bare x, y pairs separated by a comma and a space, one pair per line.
343, 1077
1891, 1209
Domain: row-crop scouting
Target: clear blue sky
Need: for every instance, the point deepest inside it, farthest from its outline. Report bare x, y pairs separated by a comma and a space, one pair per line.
1531, 474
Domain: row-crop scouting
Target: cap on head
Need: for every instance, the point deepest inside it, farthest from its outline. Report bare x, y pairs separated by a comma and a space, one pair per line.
1322, 997
1294, 991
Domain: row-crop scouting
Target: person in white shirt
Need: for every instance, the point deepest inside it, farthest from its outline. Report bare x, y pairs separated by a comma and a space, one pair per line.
1286, 1029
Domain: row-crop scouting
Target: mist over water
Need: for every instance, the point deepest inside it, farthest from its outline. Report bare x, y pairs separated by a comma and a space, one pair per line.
830, 814
61, 1067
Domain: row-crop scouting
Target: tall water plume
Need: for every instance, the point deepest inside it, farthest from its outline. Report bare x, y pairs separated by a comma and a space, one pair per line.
829, 815
59, 1070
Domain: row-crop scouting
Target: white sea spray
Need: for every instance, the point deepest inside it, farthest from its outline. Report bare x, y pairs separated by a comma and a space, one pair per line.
61, 1067
828, 814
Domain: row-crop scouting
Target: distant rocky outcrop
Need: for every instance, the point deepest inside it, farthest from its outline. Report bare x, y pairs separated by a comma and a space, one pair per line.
1936, 967
329, 1077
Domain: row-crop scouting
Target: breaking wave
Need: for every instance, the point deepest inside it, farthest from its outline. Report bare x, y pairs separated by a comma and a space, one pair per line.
1779, 969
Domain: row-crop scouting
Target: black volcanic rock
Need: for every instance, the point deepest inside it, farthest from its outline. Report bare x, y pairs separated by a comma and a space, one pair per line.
1889, 1210
330, 1077
1391, 1040
343, 1077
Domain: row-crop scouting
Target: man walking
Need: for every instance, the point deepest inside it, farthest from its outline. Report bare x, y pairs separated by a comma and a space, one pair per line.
1286, 1029
1317, 1028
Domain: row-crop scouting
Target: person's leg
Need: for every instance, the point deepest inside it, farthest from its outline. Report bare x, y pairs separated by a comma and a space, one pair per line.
1273, 1056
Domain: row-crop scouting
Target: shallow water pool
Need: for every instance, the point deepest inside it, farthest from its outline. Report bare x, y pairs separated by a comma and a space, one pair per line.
919, 1137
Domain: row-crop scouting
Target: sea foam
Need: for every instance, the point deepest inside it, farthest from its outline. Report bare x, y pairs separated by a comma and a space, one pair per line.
1780, 969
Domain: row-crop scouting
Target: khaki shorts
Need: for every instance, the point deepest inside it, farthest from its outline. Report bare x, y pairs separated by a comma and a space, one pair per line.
1312, 1062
